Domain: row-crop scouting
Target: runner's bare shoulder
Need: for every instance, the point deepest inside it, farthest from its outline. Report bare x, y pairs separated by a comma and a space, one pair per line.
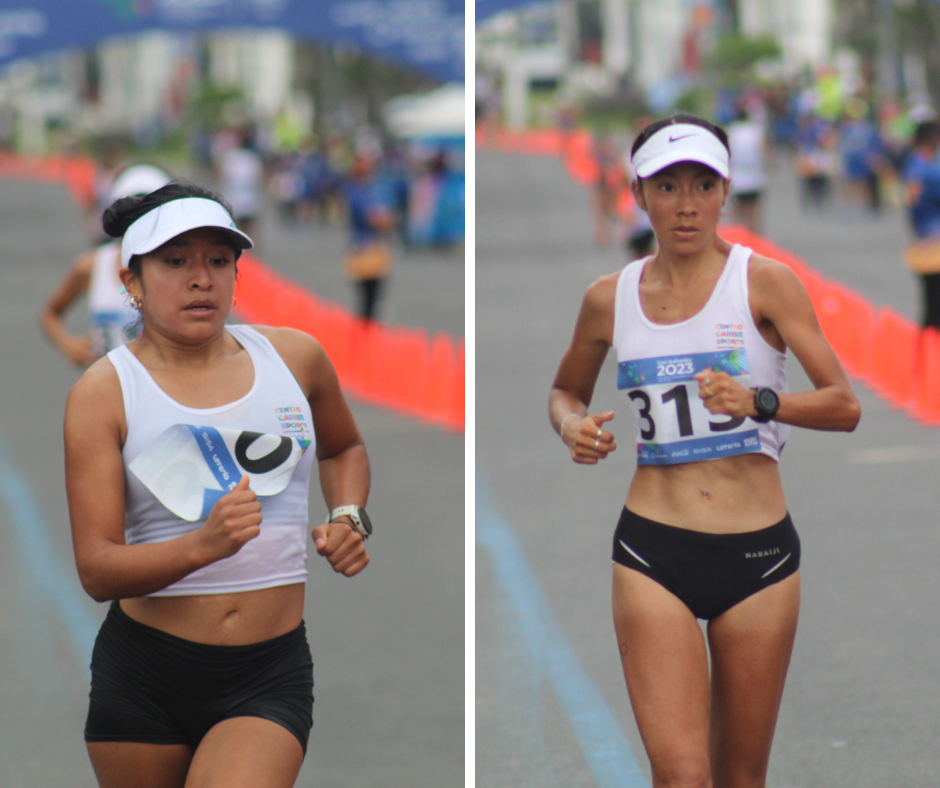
302, 353
96, 399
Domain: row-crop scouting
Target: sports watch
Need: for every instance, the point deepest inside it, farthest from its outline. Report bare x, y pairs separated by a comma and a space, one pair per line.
361, 522
767, 404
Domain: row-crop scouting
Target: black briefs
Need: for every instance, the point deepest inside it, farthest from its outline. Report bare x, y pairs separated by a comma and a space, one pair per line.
152, 687
710, 573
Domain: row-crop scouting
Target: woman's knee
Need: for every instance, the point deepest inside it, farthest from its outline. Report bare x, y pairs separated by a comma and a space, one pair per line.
683, 772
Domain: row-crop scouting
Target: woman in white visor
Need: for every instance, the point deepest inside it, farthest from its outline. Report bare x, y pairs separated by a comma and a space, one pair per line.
700, 330
188, 457
95, 274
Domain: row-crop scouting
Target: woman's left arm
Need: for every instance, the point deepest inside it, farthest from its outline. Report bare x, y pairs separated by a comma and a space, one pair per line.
341, 452
783, 311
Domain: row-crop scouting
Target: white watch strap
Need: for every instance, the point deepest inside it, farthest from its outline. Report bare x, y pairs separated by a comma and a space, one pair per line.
352, 511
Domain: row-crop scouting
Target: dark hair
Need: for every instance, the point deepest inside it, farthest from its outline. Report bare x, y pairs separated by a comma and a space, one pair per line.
127, 210
926, 132
656, 125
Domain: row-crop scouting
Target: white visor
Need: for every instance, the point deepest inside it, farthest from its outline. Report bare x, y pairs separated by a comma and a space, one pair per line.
138, 179
680, 142
173, 218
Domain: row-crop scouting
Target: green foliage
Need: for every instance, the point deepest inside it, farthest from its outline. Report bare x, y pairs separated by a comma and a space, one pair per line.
697, 100
605, 118
734, 56
213, 105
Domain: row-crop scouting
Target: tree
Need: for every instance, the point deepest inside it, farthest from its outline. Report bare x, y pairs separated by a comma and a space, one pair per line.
732, 61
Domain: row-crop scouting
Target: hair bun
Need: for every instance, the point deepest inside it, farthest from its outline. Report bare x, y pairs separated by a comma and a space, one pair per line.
120, 216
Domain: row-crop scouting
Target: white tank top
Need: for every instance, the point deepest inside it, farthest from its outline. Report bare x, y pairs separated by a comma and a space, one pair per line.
178, 461
656, 364
746, 140
112, 320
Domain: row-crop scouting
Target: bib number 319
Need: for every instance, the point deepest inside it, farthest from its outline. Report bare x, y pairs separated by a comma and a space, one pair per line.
679, 395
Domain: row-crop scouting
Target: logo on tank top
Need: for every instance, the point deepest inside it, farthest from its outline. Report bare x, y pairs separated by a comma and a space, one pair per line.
729, 336
188, 468
292, 421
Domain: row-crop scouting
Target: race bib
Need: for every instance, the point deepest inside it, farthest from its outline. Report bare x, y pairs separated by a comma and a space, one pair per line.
673, 423
189, 468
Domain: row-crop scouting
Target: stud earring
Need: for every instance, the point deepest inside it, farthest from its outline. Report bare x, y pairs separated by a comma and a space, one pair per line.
135, 303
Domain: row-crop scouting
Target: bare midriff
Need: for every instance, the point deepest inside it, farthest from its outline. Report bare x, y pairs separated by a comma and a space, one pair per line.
223, 619
728, 495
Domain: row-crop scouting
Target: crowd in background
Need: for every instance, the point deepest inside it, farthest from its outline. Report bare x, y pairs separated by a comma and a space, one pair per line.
380, 192
854, 157
305, 178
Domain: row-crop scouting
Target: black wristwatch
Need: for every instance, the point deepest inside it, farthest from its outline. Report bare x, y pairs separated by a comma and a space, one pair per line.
767, 404
361, 522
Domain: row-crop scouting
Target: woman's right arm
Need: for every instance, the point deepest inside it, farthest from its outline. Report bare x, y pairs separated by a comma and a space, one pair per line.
94, 479
577, 374
76, 349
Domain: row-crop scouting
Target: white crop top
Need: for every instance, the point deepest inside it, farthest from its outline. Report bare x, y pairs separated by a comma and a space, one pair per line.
112, 319
656, 364
178, 461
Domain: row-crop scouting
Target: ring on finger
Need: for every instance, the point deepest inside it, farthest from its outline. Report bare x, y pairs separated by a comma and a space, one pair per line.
597, 443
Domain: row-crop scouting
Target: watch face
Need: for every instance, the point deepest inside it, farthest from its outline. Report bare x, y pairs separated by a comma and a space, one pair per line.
366, 522
768, 401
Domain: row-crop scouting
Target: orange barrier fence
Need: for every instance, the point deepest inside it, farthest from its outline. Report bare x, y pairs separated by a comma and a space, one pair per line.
76, 172
899, 360
574, 146
401, 369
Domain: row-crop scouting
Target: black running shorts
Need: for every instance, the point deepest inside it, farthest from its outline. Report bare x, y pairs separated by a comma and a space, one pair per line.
710, 573
152, 687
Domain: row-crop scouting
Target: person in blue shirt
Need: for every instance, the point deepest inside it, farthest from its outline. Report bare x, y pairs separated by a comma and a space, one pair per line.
370, 222
922, 196
862, 156
816, 164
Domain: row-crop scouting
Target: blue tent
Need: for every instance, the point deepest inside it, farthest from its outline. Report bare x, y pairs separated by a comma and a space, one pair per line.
426, 34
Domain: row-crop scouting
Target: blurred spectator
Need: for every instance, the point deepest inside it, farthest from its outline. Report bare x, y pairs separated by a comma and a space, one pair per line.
748, 180
240, 174
287, 188
816, 161
862, 159
303, 183
109, 165
639, 238
611, 179
396, 173
897, 129
370, 221
488, 101
435, 197
922, 196
111, 320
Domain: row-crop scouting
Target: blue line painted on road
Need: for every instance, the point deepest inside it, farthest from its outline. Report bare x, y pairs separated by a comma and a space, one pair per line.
40, 556
605, 748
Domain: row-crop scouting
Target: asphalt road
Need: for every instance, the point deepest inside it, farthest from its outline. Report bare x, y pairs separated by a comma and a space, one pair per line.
388, 645
860, 708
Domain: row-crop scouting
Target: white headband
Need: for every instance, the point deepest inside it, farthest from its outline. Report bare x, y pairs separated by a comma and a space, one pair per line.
680, 142
173, 218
